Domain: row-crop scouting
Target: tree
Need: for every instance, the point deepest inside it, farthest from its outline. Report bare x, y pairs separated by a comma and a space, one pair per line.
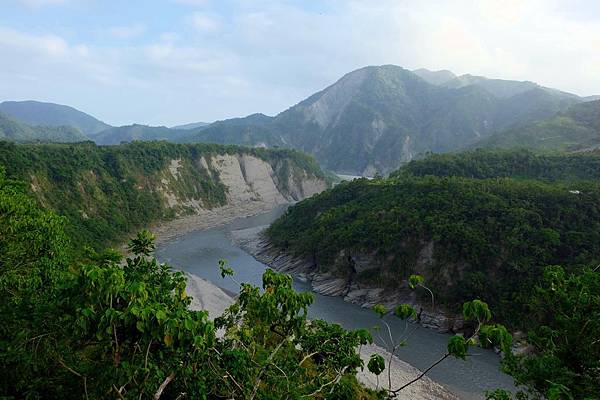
566, 362
103, 327
475, 311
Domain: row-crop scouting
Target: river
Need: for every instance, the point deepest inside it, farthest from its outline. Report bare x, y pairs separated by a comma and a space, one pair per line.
198, 252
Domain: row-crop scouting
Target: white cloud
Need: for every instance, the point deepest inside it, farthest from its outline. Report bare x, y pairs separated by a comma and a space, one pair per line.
50, 45
265, 55
204, 23
127, 31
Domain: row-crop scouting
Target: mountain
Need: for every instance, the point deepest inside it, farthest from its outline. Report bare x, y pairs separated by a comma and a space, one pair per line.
133, 132
50, 114
376, 118
14, 131
576, 129
592, 98
193, 125
435, 77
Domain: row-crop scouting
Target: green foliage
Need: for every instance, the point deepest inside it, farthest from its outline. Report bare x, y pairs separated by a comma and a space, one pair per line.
476, 310
103, 328
405, 311
415, 280
225, 269
380, 310
143, 243
495, 335
376, 364
566, 363
458, 347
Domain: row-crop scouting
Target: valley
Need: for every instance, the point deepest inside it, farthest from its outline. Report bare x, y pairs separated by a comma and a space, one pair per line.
458, 214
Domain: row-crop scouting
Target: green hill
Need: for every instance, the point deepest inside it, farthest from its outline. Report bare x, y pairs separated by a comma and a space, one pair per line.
17, 132
520, 163
481, 225
50, 114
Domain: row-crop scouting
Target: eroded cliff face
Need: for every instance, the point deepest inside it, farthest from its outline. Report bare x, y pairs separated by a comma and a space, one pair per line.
246, 179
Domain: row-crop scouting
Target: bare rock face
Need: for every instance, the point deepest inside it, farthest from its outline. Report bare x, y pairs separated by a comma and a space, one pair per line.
326, 283
248, 179
329, 285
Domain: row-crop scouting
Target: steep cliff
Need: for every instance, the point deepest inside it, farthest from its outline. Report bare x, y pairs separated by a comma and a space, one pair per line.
106, 192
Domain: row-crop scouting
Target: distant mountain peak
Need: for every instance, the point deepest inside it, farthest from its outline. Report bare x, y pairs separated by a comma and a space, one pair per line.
435, 77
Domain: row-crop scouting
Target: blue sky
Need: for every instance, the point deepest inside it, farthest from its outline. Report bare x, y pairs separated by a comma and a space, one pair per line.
177, 61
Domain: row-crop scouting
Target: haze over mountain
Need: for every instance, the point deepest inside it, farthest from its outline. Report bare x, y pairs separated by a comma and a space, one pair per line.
377, 117
371, 120
576, 129
50, 114
15, 131
193, 125
129, 133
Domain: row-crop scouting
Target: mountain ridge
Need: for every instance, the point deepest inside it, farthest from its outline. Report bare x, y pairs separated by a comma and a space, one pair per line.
36, 113
375, 118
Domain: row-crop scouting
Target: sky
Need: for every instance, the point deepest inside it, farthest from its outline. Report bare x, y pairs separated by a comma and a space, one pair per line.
171, 62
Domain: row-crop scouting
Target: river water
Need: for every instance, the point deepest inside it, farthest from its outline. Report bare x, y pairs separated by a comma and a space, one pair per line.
199, 252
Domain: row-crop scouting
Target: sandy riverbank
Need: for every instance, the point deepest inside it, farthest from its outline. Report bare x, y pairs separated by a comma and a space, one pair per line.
206, 219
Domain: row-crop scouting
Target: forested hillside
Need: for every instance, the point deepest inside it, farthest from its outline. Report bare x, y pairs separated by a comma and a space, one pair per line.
15, 131
519, 163
478, 225
107, 192
576, 129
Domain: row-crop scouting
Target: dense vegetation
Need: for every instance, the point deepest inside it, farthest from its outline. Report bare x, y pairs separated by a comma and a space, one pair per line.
566, 364
100, 328
490, 237
518, 163
15, 131
376, 118
107, 192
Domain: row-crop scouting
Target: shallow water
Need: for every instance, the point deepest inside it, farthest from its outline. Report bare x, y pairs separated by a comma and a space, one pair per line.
199, 252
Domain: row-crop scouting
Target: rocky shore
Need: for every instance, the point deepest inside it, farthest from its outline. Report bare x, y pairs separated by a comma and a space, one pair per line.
253, 241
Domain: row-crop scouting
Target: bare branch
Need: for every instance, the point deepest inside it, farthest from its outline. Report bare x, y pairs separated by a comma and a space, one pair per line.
163, 385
